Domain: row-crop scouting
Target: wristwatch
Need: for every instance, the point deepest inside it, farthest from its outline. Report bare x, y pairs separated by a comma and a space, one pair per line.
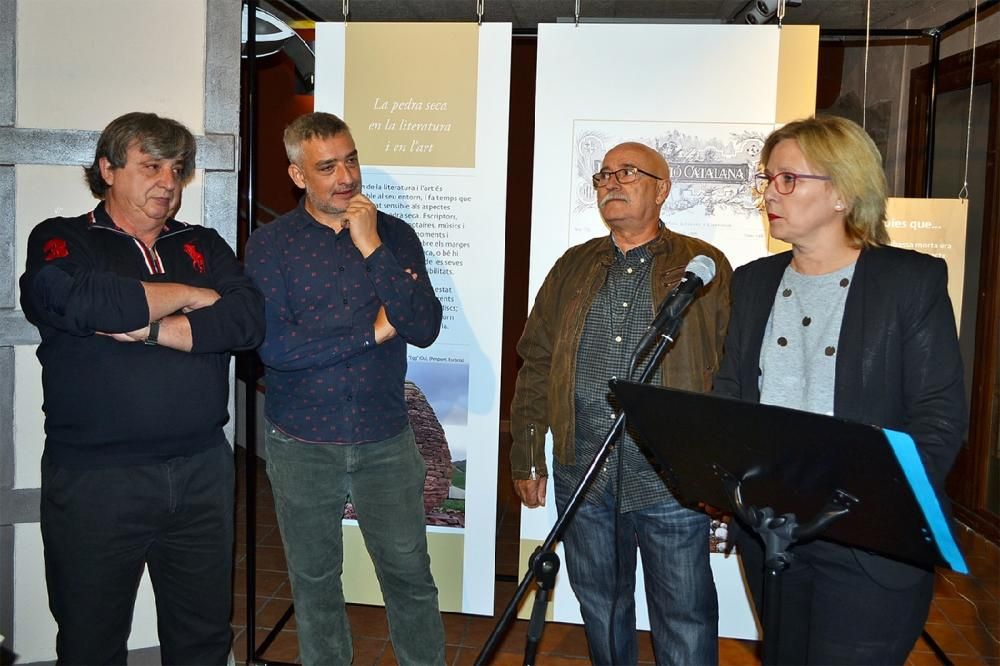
154, 333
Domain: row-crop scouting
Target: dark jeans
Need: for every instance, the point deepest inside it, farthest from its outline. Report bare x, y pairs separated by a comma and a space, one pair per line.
680, 590
385, 480
833, 612
101, 526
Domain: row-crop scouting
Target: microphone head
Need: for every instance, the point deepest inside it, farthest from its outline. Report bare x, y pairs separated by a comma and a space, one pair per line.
703, 267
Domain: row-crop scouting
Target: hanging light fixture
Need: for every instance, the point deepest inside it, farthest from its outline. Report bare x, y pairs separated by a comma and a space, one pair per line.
274, 35
271, 32
759, 12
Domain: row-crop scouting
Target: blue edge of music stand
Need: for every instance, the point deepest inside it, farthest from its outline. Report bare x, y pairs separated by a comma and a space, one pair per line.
906, 453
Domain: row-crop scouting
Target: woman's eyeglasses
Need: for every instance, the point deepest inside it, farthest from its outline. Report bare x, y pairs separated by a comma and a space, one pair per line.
784, 181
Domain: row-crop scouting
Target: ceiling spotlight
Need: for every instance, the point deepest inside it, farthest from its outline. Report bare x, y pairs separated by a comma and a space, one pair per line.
758, 12
272, 35
766, 7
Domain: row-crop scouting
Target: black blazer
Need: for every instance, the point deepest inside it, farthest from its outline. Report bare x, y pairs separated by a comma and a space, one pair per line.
898, 361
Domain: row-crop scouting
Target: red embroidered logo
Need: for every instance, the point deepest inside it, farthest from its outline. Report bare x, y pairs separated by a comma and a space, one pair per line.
55, 248
197, 258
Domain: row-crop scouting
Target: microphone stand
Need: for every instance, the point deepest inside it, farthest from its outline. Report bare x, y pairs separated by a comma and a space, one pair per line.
544, 562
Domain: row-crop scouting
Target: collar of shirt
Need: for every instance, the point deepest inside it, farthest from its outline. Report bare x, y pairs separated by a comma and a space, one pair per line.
303, 218
640, 252
99, 218
656, 245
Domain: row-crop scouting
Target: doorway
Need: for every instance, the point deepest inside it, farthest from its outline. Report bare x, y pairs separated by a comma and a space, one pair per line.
974, 483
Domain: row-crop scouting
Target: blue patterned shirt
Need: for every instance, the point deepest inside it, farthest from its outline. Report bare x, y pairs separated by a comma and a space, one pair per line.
327, 380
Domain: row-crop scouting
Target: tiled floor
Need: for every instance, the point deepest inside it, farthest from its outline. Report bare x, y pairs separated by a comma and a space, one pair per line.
964, 619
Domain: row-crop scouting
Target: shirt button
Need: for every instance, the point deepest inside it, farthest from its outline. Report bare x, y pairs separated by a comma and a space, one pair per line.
618, 338
341, 269
625, 305
349, 397
345, 301
628, 270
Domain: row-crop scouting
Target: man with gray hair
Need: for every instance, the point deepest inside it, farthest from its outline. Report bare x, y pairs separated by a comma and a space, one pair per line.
589, 315
345, 290
138, 313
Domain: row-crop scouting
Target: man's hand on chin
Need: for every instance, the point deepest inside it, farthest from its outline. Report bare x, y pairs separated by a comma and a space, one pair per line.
360, 219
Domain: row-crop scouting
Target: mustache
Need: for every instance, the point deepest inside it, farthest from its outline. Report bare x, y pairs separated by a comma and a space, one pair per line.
612, 196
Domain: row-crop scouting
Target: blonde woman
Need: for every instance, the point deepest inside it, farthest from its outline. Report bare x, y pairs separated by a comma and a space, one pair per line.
844, 325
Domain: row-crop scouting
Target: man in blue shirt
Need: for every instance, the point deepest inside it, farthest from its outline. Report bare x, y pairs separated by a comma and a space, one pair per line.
345, 290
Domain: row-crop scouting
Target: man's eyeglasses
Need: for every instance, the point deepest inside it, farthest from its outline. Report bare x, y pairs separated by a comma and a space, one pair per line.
623, 176
784, 181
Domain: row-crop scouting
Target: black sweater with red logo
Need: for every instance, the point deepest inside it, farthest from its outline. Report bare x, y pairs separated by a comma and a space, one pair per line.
110, 403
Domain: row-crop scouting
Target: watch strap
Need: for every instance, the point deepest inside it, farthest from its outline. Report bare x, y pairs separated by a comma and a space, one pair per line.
154, 333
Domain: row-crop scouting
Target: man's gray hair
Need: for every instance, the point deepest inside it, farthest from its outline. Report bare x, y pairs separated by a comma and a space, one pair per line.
160, 138
316, 125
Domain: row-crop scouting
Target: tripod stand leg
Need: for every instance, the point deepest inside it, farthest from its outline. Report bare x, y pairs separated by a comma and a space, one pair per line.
535, 626
772, 613
545, 566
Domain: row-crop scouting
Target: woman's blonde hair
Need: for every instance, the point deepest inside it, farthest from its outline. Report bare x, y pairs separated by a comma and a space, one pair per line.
842, 150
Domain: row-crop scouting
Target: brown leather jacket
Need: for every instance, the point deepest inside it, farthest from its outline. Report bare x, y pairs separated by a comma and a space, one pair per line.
544, 395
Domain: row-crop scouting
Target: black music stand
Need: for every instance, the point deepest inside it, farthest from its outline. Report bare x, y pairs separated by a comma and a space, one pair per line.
794, 476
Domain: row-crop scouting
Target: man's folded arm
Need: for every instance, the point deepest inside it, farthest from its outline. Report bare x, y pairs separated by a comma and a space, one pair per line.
62, 289
291, 345
235, 321
401, 282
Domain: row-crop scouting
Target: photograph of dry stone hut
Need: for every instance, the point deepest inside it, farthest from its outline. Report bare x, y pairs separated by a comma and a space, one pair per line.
444, 487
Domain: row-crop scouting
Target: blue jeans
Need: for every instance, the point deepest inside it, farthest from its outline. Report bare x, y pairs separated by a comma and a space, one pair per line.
680, 590
385, 480
101, 526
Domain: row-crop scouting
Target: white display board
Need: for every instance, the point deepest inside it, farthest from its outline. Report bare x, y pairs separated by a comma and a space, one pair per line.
688, 92
457, 206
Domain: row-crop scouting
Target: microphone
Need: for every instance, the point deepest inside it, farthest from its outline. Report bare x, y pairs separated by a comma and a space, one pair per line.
699, 272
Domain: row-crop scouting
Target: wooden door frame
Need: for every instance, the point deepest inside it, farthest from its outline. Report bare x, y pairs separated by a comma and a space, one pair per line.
968, 484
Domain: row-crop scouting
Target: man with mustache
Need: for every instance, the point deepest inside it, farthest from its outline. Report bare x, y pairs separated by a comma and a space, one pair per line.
138, 313
588, 317
345, 290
